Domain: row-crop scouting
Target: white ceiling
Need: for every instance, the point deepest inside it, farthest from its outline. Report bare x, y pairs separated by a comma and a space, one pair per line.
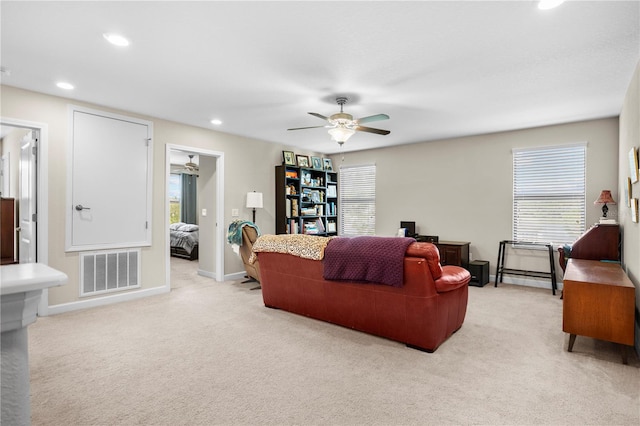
439, 69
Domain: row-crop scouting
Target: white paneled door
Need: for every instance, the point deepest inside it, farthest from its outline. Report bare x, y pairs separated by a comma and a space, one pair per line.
111, 182
28, 197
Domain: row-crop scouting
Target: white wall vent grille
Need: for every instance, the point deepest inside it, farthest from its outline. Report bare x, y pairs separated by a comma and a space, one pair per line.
109, 271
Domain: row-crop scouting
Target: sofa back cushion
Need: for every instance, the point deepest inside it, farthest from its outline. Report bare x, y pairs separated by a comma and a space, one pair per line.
429, 252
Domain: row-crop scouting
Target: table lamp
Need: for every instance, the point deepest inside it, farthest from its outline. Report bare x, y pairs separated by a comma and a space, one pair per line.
604, 198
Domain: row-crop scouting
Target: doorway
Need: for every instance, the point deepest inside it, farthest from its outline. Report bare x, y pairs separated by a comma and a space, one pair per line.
30, 168
209, 167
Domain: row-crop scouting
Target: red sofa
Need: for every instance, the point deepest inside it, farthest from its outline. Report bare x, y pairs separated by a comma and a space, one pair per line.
428, 308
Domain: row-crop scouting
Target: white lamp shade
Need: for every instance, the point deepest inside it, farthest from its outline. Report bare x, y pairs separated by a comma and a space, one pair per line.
254, 200
341, 134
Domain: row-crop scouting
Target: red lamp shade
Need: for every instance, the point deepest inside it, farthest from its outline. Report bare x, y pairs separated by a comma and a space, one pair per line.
604, 198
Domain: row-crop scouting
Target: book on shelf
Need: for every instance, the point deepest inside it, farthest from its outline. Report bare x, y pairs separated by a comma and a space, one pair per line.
308, 211
311, 228
331, 226
288, 207
293, 226
320, 225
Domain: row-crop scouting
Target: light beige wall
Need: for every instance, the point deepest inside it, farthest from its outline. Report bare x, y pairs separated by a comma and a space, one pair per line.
630, 137
207, 200
249, 166
461, 189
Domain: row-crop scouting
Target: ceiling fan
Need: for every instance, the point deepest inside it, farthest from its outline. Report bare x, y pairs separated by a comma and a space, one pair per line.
342, 125
190, 166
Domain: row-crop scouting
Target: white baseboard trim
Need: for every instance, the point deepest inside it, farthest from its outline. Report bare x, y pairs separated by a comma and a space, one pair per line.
106, 300
228, 277
235, 277
207, 274
527, 282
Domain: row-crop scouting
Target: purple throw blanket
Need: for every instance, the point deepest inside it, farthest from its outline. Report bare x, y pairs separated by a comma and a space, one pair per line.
370, 259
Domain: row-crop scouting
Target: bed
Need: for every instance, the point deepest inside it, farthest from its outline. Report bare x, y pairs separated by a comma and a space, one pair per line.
184, 240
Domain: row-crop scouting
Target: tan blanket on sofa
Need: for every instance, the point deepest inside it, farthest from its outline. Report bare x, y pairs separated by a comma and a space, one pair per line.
301, 245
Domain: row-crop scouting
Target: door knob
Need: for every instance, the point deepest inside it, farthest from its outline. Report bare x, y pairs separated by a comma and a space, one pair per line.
80, 207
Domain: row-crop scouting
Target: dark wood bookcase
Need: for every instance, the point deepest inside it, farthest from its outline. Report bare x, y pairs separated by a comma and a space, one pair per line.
306, 201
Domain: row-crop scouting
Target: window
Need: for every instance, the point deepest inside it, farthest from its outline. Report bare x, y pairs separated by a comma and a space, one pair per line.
549, 194
175, 197
357, 191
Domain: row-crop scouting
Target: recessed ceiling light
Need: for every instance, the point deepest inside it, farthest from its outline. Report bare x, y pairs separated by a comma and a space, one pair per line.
64, 85
116, 39
216, 122
549, 4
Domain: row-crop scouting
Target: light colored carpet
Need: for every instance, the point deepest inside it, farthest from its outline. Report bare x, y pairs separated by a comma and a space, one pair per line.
211, 353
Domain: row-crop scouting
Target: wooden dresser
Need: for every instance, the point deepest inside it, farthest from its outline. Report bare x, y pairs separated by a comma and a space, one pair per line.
599, 302
454, 253
7, 231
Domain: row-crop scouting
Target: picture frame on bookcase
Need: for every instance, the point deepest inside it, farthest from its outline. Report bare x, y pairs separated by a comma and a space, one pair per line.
328, 164
303, 160
316, 162
633, 164
289, 158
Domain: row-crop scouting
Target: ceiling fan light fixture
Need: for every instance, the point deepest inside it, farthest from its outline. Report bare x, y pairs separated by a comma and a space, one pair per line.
343, 125
341, 134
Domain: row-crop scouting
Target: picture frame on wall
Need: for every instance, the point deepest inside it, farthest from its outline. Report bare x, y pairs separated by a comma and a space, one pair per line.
289, 158
316, 163
633, 164
628, 192
328, 164
303, 160
634, 210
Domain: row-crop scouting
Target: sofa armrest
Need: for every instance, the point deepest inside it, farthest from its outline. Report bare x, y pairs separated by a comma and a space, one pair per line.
453, 277
430, 253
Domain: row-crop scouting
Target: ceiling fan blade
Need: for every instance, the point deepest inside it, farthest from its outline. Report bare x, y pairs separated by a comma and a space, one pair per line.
322, 117
311, 127
371, 118
372, 130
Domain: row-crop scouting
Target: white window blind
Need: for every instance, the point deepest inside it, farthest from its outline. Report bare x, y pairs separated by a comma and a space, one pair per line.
357, 192
549, 194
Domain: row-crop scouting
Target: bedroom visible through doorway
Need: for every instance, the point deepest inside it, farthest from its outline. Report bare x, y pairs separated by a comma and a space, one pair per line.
194, 205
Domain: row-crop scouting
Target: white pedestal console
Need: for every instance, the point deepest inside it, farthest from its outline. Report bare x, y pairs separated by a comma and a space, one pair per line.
21, 286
